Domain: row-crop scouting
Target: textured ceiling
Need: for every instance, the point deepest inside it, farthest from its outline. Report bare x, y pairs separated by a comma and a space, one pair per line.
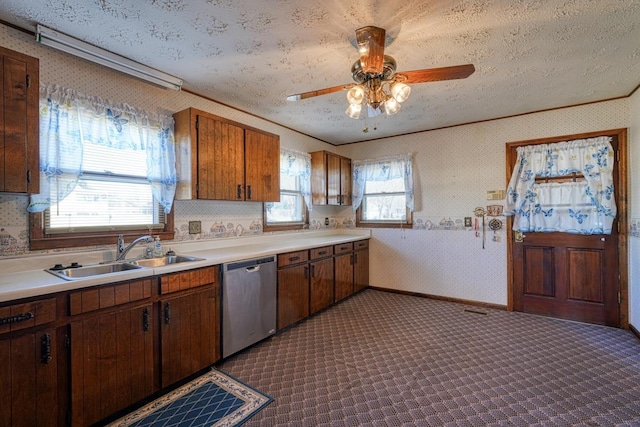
529, 55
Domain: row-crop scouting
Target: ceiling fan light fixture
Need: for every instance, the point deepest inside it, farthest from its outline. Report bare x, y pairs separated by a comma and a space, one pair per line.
355, 95
400, 91
391, 106
354, 111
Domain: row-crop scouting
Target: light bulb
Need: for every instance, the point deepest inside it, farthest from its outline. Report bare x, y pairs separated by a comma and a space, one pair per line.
355, 95
391, 106
354, 111
400, 91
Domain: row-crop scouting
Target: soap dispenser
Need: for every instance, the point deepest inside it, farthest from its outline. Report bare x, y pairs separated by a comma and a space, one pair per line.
157, 248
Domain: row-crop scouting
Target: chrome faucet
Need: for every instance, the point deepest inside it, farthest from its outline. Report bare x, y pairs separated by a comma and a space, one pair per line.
121, 251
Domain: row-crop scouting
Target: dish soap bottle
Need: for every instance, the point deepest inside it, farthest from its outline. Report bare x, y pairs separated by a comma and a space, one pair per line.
157, 248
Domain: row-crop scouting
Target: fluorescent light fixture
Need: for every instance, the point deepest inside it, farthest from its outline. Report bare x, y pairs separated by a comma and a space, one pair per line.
52, 38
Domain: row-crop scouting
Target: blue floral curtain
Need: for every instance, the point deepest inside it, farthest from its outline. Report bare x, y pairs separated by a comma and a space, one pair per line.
297, 163
68, 118
383, 169
581, 207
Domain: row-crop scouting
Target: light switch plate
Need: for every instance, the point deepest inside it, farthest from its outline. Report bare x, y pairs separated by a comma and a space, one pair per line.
195, 227
467, 221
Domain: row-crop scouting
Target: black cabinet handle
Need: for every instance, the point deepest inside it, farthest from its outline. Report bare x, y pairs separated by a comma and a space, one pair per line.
322, 253
306, 272
145, 320
29, 176
45, 349
351, 259
313, 271
167, 313
355, 258
239, 191
294, 258
248, 192
16, 319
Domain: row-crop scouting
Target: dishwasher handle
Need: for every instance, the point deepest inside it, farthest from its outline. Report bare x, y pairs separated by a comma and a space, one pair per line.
253, 269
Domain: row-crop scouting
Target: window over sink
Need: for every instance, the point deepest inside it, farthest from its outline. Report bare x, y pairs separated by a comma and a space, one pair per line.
105, 169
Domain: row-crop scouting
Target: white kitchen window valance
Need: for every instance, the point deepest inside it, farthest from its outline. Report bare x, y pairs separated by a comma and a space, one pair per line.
298, 164
581, 207
383, 169
68, 119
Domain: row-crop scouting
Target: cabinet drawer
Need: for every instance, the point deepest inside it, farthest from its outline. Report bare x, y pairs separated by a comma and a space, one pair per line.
343, 248
361, 244
97, 298
188, 279
292, 258
25, 315
317, 253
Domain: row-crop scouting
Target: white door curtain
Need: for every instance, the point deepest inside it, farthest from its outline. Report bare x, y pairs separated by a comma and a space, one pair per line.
581, 207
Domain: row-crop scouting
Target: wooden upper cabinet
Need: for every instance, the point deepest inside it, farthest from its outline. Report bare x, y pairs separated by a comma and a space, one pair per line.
229, 161
330, 179
19, 129
262, 166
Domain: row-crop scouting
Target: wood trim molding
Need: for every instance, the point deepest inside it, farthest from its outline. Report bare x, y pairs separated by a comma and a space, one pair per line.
441, 298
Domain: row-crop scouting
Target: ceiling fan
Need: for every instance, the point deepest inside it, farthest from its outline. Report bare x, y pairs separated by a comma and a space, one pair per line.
377, 84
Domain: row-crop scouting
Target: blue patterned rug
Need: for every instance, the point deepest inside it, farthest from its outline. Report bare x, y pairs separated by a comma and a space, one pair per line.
214, 399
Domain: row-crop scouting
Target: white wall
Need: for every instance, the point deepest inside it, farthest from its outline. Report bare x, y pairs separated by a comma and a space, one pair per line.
456, 167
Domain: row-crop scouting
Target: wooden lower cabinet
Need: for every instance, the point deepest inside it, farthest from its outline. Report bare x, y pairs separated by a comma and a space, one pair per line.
111, 363
189, 333
28, 379
321, 285
343, 276
293, 294
361, 269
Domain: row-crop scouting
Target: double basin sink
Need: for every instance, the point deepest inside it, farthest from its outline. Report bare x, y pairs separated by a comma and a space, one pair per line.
83, 272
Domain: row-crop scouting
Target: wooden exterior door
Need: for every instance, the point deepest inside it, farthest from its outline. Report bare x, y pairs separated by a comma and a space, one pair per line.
570, 276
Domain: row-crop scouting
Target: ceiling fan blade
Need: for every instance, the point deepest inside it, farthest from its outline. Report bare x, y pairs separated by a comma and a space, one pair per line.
437, 74
311, 94
371, 48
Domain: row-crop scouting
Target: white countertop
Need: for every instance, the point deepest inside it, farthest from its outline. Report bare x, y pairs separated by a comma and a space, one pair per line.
24, 277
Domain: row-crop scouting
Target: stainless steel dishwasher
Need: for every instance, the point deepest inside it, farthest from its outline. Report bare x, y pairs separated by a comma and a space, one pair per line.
249, 296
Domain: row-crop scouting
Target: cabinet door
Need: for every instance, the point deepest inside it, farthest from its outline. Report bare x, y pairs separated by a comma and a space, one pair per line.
189, 334
293, 294
343, 276
334, 188
345, 181
321, 284
361, 270
220, 160
111, 363
19, 145
28, 380
262, 170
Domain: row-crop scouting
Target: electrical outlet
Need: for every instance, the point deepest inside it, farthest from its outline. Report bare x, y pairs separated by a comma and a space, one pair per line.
195, 227
467, 221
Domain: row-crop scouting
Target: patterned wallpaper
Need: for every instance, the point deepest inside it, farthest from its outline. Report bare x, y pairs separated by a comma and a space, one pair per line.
529, 55
455, 167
